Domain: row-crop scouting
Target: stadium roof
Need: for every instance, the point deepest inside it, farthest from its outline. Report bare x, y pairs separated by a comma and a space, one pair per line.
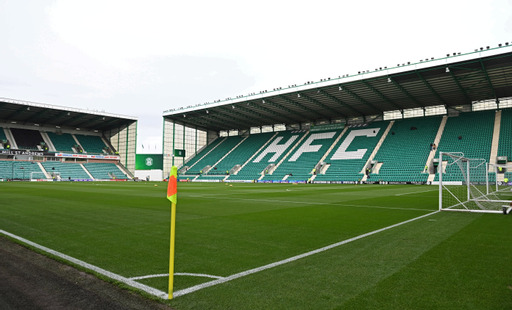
451, 81
45, 115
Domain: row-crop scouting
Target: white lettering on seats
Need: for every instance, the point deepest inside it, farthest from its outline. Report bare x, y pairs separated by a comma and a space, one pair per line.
277, 149
306, 147
342, 153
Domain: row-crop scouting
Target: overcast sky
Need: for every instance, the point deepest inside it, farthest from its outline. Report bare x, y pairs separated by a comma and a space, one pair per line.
139, 58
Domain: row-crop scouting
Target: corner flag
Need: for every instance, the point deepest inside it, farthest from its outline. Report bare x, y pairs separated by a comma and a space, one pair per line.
172, 187
172, 195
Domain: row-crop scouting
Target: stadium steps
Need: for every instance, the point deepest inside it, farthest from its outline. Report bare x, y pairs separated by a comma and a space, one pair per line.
17, 169
332, 145
207, 151
349, 169
288, 154
63, 142
2, 137
505, 142
229, 165
375, 150
104, 171
475, 130
495, 139
436, 142
257, 152
271, 153
48, 141
11, 139
46, 174
91, 144
404, 154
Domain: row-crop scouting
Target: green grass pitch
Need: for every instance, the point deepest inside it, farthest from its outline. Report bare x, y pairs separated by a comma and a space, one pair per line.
446, 260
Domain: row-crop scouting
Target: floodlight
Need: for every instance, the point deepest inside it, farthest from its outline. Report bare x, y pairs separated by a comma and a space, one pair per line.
447, 69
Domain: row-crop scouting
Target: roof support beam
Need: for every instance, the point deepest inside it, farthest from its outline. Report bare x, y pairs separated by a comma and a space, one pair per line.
456, 81
318, 103
223, 119
378, 93
262, 118
282, 117
358, 98
427, 84
293, 102
241, 117
489, 82
338, 101
305, 118
405, 92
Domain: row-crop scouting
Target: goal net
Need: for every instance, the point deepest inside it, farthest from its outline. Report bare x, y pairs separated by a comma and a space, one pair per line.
473, 185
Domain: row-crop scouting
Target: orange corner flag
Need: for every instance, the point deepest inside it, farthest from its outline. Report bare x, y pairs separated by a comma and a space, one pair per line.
172, 187
172, 195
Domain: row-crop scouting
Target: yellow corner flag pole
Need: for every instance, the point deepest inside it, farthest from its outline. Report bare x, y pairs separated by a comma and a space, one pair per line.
172, 195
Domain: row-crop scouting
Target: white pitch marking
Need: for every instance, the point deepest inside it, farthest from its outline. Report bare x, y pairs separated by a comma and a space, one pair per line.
431, 190
290, 259
111, 275
161, 275
317, 203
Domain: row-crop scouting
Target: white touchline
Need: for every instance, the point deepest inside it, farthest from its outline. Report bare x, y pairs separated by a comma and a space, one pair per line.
291, 259
88, 266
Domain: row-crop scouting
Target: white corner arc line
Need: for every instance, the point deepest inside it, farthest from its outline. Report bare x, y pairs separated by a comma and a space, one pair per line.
111, 275
161, 275
291, 259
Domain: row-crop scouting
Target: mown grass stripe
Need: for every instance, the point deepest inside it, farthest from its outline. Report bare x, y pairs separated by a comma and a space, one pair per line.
291, 259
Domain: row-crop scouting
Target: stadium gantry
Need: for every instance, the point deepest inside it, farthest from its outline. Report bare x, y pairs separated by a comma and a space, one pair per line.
384, 125
47, 142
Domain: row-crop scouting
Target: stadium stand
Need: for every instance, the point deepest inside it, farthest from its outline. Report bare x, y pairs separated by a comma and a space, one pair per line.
240, 155
278, 147
405, 151
505, 144
213, 156
2, 137
190, 164
105, 171
300, 164
63, 142
91, 144
402, 156
66, 171
18, 169
348, 166
27, 139
469, 133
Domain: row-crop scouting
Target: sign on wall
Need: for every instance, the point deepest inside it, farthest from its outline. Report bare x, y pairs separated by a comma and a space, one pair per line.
149, 161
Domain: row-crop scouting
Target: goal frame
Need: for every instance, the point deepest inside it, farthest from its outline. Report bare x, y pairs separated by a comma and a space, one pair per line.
475, 192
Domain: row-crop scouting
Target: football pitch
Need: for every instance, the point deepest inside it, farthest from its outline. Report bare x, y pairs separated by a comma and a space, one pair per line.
273, 246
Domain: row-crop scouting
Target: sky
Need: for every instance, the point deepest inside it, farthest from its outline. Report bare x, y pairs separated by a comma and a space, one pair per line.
140, 58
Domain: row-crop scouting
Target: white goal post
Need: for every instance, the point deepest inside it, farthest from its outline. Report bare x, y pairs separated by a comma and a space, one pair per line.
473, 185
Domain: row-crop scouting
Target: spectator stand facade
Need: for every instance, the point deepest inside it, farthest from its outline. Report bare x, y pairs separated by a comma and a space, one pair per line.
437, 89
46, 142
